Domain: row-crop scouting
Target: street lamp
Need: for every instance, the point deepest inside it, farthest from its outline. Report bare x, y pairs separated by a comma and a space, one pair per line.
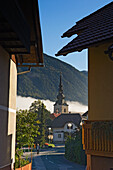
81, 123
69, 125
49, 133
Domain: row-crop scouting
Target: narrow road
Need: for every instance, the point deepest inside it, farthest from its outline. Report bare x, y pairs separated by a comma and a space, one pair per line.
53, 159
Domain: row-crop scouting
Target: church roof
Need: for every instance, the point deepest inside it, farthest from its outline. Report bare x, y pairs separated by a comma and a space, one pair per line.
61, 120
96, 28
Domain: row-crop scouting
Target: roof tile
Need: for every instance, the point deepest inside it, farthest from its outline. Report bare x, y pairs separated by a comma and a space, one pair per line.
61, 120
95, 28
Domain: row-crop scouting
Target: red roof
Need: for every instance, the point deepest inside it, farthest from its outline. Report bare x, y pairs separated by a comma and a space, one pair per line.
54, 115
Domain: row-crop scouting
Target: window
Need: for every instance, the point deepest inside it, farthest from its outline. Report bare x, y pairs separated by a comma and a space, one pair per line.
67, 127
64, 110
72, 127
59, 135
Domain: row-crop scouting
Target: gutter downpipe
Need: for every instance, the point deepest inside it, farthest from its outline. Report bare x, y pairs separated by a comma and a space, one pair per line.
23, 72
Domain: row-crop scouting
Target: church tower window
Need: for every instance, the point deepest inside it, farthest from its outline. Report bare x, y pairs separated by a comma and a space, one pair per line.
64, 110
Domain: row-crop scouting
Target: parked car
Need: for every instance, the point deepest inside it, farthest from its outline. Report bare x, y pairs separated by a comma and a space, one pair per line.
49, 145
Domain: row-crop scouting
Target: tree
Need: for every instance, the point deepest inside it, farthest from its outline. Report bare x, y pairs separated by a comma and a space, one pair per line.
26, 127
43, 115
26, 130
42, 126
36, 108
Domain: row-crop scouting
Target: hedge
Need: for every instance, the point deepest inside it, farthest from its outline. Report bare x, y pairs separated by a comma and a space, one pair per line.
74, 149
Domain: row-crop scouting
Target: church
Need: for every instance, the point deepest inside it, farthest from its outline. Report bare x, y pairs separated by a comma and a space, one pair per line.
60, 106
63, 122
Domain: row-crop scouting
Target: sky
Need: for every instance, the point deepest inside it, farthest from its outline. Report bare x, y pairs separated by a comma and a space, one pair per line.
56, 17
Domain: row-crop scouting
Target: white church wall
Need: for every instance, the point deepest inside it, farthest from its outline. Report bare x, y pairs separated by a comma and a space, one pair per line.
61, 108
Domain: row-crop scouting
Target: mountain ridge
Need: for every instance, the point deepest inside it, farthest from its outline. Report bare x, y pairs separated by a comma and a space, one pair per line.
43, 83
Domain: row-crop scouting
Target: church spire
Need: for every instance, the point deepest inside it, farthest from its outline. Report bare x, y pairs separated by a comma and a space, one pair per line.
60, 95
60, 85
60, 106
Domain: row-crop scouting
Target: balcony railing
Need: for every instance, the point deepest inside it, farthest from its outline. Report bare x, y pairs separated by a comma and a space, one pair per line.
97, 138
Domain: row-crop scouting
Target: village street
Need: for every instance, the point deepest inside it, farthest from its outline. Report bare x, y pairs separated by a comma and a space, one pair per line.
53, 159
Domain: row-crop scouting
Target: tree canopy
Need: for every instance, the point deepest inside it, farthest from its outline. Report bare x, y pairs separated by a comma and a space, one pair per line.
27, 127
32, 125
43, 115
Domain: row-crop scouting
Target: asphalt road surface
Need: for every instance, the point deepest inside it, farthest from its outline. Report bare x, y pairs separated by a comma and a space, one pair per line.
53, 159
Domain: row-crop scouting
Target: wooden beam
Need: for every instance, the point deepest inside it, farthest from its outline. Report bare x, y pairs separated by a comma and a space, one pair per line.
37, 65
9, 39
13, 46
6, 31
17, 52
3, 22
12, 12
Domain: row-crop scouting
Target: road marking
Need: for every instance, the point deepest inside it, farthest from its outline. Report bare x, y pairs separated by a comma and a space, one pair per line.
51, 162
48, 160
65, 167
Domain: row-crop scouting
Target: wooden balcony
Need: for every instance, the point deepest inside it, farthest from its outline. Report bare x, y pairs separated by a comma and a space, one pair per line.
97, 138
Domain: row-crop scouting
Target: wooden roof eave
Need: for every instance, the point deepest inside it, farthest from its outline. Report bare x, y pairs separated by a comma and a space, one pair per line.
35, 58
38, 33
11, 12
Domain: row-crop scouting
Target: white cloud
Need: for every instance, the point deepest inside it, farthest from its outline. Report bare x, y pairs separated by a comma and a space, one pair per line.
74, 107
24, 102
77, 107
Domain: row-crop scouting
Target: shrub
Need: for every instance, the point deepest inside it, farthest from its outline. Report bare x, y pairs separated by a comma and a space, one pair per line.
19, 162
74, 150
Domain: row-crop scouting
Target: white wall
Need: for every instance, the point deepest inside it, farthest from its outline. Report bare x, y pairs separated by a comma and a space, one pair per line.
57, 131
8, 83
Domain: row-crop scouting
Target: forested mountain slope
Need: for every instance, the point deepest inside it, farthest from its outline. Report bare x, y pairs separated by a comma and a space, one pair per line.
42, 83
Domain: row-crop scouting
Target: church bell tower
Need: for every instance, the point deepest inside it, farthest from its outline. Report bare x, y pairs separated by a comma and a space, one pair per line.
60, 106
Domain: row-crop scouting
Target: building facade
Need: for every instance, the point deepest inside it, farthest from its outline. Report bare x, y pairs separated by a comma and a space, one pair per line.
65, 125
95, 32
19, 29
